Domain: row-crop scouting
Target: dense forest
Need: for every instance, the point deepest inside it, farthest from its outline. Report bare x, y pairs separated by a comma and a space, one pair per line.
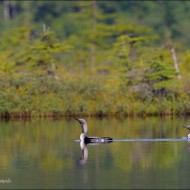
94, 58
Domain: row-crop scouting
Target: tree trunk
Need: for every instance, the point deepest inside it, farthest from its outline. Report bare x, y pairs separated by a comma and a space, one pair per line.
6, 8
92, 49
174, 59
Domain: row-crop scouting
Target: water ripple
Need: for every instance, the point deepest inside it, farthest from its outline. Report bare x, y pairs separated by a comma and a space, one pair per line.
150, 139
147, 139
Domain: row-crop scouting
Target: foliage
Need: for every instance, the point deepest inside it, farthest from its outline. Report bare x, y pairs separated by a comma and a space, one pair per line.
109, 64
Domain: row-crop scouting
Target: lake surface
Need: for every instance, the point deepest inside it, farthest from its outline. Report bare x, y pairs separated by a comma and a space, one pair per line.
148, 153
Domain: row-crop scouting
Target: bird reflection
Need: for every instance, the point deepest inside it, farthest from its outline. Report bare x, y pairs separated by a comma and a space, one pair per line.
84, 156
84, 150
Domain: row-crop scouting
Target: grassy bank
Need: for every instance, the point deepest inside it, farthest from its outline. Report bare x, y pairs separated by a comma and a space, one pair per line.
82, 96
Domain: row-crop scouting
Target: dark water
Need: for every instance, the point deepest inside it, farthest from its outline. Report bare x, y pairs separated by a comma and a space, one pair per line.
148, 153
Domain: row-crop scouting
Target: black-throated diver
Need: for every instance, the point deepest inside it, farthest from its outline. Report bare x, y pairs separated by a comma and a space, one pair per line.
187, 127
84, 138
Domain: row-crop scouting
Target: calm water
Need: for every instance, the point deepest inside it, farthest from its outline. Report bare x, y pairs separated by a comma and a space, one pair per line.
149, 153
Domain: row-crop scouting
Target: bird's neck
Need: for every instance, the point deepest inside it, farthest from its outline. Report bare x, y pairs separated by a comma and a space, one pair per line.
84, 128
82, 136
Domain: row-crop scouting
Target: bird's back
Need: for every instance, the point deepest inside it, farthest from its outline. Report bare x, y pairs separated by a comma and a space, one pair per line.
98, 139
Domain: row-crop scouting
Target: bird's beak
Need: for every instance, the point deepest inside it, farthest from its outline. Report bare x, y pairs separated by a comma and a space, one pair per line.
185, 127
76, 119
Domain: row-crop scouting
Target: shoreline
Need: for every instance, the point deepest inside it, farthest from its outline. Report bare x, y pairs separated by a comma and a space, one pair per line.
59, 116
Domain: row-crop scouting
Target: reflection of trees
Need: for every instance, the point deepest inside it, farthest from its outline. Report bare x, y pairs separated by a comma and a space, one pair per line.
144, 155
147, 154
49, 144
35, 144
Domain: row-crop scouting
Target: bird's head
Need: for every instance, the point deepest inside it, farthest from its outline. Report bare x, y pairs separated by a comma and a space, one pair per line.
187, 127
81, 121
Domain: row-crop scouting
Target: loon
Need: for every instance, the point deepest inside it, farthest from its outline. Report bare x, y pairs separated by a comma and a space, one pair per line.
92, 140
187, 127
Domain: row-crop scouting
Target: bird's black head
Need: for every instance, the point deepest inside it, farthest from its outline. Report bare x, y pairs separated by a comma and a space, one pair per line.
187, 127
81, 121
